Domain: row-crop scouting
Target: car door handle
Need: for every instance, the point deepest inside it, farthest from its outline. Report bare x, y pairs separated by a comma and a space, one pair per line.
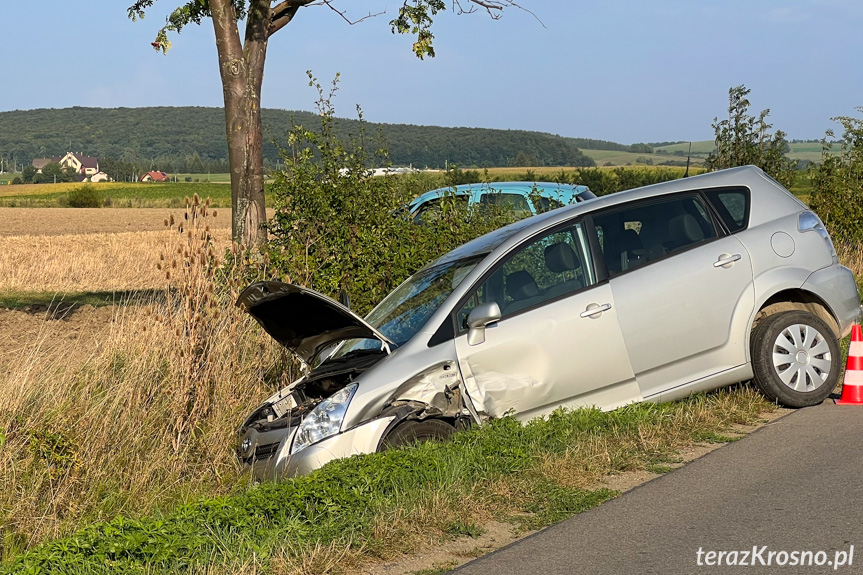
726, 260
595, 309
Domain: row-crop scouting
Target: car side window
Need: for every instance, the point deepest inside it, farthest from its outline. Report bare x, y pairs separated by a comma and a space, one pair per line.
516, 202
732, 205
647, 231
542, 270
543, 204
431, 210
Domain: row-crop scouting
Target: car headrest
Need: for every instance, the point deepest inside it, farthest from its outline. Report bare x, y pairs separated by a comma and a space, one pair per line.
560, 258
521, 285
684, 229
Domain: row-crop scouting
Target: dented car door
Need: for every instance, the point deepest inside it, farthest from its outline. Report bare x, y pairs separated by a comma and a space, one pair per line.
552, 338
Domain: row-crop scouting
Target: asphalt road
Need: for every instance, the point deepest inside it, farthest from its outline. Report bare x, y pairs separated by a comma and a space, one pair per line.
795, 485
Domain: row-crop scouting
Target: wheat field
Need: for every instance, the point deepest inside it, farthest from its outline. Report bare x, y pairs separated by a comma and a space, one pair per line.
82, 250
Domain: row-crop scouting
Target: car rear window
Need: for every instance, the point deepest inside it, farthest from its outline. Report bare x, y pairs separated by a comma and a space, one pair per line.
646, 231
732, 205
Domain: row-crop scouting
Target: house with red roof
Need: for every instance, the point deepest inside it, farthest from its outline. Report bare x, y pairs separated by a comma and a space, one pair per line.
155, 177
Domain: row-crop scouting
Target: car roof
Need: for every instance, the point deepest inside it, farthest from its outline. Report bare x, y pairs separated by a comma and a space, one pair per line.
465, 189
748, 176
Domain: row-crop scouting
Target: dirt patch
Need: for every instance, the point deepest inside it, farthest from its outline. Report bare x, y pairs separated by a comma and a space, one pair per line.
63, 221
450, 554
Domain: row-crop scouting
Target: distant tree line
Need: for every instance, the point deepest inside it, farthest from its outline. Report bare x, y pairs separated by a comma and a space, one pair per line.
191, 139
590, 144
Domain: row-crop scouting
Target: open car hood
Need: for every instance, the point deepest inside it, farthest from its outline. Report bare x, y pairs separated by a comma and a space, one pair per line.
304, 321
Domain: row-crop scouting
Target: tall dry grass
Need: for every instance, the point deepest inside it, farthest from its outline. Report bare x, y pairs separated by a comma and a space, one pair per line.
851, 256
148, 418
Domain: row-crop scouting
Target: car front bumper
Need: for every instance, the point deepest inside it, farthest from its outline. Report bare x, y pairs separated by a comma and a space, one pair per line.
364, 438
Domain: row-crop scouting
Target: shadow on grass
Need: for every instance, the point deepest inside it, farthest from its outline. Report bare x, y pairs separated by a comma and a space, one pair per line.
60, 305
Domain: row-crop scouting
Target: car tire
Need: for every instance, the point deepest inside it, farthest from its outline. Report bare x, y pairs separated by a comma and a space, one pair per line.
415, 431
795, 358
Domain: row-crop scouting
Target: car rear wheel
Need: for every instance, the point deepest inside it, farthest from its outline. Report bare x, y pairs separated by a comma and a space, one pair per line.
414, 431
796, 358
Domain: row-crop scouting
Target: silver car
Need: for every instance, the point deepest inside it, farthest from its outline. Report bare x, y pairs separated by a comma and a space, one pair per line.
649, 294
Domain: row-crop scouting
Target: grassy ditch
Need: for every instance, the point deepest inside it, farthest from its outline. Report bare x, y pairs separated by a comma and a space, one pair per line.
381, 505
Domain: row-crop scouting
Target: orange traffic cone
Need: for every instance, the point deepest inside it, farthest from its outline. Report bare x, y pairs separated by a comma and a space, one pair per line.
852, 386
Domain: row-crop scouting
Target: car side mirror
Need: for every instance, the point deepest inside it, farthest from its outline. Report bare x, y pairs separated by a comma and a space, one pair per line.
481, 316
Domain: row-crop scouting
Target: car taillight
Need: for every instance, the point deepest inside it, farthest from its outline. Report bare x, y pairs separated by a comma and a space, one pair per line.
809, 222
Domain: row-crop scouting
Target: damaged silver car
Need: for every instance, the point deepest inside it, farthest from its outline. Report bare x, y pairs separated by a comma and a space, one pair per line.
650, 294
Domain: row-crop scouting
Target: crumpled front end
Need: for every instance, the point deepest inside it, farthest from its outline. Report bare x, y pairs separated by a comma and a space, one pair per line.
268, 434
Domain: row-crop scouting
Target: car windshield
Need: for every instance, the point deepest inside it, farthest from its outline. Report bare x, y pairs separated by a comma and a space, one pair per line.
407, 309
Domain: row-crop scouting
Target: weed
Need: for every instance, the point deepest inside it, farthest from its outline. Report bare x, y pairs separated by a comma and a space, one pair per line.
437, 568
464, 528
552, 503
710, 436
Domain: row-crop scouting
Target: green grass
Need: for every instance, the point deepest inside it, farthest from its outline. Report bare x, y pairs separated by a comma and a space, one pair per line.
615, 158
367, 506
700, 148
204, 178
437, 569
714, 437
659, 469
810, 150
117, 194
7, 177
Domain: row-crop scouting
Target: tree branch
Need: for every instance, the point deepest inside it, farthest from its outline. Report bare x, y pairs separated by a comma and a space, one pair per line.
494, 8
282, 13
344, 16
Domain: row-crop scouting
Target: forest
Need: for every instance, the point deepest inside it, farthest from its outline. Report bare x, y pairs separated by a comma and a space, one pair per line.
192, 139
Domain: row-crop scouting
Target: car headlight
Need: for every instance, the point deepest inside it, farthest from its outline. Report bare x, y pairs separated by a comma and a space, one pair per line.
324, 420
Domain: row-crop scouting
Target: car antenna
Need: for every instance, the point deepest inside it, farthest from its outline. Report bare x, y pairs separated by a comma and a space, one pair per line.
688, 155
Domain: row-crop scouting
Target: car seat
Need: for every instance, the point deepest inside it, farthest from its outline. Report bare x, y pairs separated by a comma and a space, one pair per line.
684, 231
520, 288
560, 258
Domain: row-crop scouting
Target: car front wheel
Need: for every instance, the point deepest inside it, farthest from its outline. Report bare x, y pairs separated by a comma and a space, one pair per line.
414, 431
796, 358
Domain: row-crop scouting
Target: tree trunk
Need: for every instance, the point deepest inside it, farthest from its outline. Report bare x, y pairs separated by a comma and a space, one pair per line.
241, 69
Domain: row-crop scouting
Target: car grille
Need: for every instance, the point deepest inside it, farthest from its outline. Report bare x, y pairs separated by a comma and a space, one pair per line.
266, 451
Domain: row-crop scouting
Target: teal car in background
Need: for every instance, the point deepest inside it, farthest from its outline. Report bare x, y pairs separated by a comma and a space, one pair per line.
524, 198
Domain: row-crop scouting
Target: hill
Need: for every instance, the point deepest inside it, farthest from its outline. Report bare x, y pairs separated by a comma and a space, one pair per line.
192, 139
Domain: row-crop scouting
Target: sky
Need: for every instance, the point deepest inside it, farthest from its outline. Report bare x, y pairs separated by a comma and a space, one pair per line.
620, 70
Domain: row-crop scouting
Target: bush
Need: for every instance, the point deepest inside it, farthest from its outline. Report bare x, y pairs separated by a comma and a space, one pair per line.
604, 181
16, 181
338, 228
84, 197
838, 183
